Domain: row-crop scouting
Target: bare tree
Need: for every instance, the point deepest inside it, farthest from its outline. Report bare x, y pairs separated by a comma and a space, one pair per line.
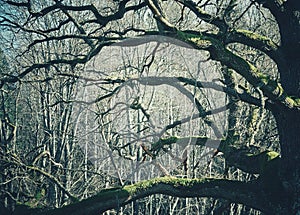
253, 46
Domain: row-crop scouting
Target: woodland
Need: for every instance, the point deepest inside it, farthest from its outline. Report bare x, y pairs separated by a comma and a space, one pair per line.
149, 107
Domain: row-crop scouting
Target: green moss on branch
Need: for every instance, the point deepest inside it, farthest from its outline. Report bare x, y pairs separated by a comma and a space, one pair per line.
218, 51
235, 191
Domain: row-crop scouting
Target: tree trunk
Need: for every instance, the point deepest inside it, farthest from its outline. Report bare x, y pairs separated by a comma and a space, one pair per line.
288, 125
288, 122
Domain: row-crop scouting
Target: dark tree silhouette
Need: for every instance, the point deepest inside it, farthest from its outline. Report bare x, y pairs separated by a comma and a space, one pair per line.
223, 33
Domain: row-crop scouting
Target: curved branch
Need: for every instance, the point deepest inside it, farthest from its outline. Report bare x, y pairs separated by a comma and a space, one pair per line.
210, 42
174, 83
252, 39
203, 15
274, 6
286, 15
245, 97
235, 191
249, 159
256, 41
103, 20
72, 62
159, 16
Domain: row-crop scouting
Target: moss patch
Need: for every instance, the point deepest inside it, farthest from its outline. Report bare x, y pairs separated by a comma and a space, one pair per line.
199, 40
255, 36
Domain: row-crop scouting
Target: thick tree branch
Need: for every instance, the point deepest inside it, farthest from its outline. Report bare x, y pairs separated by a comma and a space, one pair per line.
252, 39
159, 16
272, 89
235, 191
256, 41
245, 97
286, 15
100, 19
275, 7
249, 159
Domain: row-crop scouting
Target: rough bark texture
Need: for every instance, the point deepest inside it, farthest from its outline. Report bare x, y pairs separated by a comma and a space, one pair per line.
277, 190
245, 193
288, 119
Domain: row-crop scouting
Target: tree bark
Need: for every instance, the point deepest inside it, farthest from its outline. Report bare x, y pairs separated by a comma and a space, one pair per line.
288, 123
288, 119
236, 191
